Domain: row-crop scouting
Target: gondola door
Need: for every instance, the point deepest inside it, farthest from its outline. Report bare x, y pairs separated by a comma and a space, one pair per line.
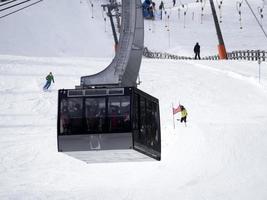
146, 124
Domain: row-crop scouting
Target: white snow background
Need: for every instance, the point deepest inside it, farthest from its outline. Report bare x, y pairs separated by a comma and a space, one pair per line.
220, 155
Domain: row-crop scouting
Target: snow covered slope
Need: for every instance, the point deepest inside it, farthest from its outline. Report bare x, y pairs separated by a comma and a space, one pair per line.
221, 154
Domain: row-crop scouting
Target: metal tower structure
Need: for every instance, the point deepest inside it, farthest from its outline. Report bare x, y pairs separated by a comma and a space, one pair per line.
221, 46
124, 68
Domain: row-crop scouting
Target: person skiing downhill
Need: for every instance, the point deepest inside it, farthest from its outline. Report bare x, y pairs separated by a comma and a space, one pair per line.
49, 79
183, 114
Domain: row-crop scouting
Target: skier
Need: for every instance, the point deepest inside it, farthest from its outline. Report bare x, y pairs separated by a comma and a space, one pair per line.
183, 114
197, 51
174, 2
49, 78
161, 7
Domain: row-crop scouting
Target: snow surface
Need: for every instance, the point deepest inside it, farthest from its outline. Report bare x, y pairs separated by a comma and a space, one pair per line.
221, 154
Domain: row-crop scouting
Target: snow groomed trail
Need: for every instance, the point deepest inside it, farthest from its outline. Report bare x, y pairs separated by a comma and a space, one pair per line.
221, 154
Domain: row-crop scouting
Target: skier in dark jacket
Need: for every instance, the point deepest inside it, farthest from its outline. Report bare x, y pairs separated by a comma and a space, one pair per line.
161, 5
161, 8
197, 51
49, 79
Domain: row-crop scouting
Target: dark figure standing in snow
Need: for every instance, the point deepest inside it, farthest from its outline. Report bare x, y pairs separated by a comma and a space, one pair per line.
174, 2
197, 51
161, 8
49, 79
153, 6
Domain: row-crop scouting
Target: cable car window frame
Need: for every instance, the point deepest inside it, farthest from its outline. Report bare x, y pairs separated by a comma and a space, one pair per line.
121, 120
72, 116
99, 120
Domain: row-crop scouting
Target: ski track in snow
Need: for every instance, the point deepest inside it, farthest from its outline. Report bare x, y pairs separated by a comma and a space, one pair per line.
238, 75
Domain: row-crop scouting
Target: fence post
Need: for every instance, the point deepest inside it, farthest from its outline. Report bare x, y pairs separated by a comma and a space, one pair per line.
144, 51
232, 55
229, 56
257, 55
236, 55
239, 56
259, 62
252, 55
248, 54
244, 55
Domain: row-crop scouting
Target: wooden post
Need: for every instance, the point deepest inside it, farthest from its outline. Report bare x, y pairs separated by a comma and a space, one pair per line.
248, 56
252, 55
173, 117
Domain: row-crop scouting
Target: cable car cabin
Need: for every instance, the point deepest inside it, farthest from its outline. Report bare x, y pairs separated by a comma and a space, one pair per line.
108, 124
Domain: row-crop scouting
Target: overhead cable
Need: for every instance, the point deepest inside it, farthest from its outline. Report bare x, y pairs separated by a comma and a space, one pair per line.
3, 9
3, 4
20, 9
256, 18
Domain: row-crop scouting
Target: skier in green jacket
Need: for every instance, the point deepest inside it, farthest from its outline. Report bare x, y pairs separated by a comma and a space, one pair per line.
49, 79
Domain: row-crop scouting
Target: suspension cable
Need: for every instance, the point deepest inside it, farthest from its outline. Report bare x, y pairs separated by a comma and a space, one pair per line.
256, 18
20, 9
3, 4
14, 5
